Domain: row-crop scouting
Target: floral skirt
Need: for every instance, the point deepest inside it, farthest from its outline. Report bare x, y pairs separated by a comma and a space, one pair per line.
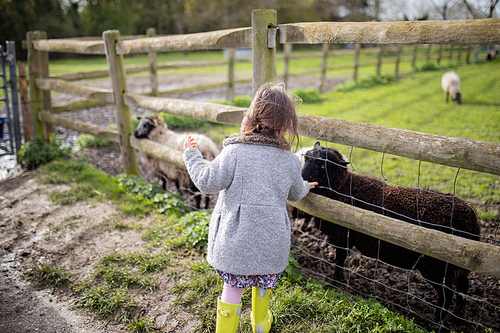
267, 281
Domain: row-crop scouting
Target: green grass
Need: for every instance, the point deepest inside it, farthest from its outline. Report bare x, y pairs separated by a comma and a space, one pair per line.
47, 274
303, 306
417, 103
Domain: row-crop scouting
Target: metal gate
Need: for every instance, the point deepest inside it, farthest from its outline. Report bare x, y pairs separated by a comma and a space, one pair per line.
10, 133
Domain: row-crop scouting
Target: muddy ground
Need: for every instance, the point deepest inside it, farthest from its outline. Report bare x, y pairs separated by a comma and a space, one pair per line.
25, 234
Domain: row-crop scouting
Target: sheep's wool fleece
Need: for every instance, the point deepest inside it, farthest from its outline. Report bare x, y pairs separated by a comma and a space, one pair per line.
249, 232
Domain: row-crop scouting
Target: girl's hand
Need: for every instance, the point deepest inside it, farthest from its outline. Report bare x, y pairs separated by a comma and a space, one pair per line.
189, 143
313, 185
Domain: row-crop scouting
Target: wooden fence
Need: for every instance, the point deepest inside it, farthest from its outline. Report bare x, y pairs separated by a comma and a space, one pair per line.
286, 57
263, 37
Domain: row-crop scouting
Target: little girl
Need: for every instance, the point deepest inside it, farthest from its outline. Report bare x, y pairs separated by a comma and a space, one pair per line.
249, 233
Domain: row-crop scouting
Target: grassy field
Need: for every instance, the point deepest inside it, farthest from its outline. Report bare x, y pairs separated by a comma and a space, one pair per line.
417, 103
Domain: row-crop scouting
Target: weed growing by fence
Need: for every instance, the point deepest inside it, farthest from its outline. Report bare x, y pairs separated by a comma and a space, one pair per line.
91, 141
152, 195
308, 96
38, 152
365, 83
431, 66
192, 229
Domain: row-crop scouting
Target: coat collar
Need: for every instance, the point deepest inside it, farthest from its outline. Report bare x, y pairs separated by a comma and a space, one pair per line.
255, 138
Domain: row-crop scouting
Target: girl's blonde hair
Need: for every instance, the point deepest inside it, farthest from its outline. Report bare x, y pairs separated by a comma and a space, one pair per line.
272, 113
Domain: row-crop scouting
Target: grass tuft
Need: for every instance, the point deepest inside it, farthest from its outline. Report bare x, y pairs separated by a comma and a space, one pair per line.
48, 275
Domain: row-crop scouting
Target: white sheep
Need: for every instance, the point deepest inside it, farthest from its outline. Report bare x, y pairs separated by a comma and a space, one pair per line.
154, 128
492, 54
450, 82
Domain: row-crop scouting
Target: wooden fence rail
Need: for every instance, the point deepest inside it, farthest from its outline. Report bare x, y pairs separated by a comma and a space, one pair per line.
482, 31
463, 153
455, 152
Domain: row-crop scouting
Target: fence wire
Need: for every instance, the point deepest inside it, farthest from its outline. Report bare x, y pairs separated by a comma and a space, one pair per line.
401, 290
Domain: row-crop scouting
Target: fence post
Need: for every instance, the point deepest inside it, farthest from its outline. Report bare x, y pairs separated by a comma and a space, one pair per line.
450, 53
398, 58
428, 58
230, 74
153, 66
122, 111
324, 66
11, 48
467, 57
287, 48
414, 56
40, 100
459, 56
25, 103
357, 48
263, 47
379, 58
440, 53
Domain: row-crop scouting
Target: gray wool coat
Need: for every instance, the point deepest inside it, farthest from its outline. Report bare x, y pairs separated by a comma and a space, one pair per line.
249, 232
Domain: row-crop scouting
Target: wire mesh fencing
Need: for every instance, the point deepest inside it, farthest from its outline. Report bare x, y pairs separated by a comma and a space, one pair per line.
404, 281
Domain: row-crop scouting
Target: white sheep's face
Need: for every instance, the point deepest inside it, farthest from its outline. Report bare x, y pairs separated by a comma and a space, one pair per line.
145, 126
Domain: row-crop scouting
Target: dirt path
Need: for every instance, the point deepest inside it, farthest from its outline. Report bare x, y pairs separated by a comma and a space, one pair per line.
32, 231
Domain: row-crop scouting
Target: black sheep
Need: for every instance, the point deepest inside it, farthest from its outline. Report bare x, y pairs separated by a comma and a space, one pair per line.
327, 167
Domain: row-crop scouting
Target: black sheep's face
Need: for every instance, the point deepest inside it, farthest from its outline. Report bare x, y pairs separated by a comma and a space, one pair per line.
324, 165
459, 98
145, 126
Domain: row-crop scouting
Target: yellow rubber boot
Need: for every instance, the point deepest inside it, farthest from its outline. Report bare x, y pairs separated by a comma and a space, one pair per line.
228, 317
261, 316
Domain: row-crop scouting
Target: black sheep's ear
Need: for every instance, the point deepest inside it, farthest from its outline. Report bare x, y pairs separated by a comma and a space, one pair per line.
317, 145
337, 160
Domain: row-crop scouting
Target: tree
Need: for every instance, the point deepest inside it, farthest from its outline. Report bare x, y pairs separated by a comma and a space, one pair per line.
19, 17
15, 18
102, 15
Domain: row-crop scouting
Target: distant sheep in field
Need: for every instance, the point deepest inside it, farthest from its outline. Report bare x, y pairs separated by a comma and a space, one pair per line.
154, 128
492, 54
450, 82
439, 211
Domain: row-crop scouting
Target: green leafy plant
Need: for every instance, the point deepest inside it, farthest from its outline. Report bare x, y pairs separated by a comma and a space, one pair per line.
292, 270
242, 101
91, 141
308, 96
38, 152
428, 66
151, 194
194, 229
183, 123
